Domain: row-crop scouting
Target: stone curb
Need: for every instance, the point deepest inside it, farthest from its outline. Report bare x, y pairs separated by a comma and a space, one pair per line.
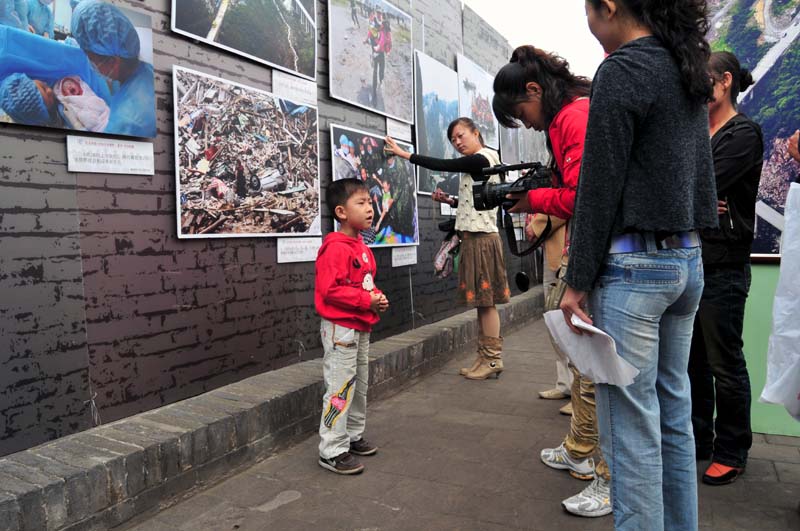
103, 477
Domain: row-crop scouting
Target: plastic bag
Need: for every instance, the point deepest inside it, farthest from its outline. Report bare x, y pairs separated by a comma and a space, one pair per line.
446, 259
783, 357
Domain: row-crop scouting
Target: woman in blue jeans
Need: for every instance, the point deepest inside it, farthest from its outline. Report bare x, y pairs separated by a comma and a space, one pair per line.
646, 187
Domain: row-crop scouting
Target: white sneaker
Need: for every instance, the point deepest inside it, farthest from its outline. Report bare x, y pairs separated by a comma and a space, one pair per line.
559, 459
591, 502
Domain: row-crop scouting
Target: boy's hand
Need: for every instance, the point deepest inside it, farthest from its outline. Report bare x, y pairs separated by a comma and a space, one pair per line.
383, 304
375, 301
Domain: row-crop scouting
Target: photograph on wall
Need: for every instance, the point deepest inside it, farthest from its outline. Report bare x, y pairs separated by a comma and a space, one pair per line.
765, 37
279, 33
371, 59
83, 66
509, 145
436, 106
475, 95
247, 161
391, 183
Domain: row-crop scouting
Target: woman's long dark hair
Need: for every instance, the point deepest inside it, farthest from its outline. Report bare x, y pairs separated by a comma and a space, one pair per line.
721, 62
681, 26
530, 64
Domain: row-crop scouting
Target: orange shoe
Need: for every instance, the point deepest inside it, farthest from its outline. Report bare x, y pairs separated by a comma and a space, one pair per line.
719, 474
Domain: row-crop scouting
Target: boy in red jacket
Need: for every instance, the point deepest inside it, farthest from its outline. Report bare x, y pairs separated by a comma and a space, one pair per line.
348, 302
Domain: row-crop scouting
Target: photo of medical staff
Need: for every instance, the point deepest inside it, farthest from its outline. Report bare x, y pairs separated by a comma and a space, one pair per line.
391, 183
475, 95
84, 65
371, 59
436, 106
279, 33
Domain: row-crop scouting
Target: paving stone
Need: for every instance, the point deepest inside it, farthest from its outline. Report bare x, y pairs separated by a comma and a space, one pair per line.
788, 472
460, 455
783, 440
775, 452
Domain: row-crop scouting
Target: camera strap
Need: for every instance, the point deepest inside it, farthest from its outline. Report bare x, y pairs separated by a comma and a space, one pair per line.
511, 236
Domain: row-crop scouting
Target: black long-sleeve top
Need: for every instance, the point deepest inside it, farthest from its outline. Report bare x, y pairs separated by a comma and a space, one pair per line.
470, 164
647, 158
738, 149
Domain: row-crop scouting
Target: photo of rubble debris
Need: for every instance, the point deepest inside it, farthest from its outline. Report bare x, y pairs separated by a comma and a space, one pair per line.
391, 182
436, 106
371, 59
247, 162
475, 95
279, 33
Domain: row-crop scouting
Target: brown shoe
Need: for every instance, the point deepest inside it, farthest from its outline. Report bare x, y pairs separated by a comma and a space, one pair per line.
342, 464
552, 394
566, 409
362, 447
491, 351
475, 364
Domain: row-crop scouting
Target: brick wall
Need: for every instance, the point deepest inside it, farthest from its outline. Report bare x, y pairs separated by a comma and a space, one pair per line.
99, 296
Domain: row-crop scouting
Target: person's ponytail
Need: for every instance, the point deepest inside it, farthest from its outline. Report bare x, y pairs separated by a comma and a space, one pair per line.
741, 78
681, 26
552, 73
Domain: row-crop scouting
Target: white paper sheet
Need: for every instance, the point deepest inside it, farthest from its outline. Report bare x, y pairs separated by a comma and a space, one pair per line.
595, 356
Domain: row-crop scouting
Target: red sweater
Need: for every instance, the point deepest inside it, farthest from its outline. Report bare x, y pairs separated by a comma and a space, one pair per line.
567, 133
342, 289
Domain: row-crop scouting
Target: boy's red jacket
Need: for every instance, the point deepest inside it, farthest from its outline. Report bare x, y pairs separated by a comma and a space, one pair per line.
341, 294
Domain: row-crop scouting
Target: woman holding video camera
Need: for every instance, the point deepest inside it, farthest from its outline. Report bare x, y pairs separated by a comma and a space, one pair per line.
482, 280
646, 188
537, 89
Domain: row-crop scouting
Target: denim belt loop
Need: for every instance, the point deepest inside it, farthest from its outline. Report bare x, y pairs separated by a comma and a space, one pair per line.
650, 243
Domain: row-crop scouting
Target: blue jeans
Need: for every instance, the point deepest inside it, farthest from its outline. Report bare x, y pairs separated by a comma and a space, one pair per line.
647, 303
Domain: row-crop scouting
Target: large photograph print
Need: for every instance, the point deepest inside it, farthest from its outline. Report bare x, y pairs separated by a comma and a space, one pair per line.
436, 106
247, 161
391, 184
83, 68
371, 56
509, 145
765, 37
475, 95
279, 33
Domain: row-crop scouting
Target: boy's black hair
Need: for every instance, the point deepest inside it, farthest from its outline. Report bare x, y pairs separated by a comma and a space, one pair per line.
341, 190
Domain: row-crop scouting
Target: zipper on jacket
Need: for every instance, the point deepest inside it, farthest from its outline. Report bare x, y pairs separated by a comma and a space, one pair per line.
730, 211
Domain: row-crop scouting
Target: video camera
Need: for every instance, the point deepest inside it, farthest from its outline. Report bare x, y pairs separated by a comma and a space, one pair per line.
486, 195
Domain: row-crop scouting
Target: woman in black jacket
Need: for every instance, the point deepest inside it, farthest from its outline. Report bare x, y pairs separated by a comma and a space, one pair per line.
717, 367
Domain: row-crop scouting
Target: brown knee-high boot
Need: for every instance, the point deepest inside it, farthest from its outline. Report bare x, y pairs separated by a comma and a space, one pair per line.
491, 360
482, 342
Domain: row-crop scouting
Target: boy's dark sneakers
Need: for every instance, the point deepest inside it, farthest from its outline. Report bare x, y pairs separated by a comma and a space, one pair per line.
362, 447
342, 464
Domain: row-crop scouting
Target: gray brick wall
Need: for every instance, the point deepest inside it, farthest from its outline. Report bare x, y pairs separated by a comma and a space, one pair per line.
99, 296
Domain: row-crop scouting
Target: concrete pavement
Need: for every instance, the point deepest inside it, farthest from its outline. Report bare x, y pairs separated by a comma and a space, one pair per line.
459, 454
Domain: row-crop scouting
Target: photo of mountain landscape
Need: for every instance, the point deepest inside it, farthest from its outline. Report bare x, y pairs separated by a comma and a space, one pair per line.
279, 33
765, 36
